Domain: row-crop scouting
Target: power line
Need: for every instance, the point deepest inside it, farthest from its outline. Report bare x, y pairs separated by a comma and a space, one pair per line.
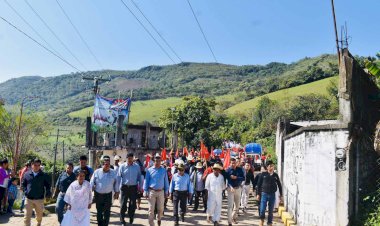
138, 8
200, 28
5, 20
31, 27
55, 35
79, 34
150, 34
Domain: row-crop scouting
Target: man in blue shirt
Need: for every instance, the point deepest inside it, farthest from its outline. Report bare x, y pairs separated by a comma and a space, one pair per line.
104, 181
63, 182
83, 166
235, 177
180, 189
156, 186
129, 175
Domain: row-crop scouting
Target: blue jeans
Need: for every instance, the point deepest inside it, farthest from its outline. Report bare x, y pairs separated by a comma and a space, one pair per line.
10, 205
22, 201
269, 198
59, 207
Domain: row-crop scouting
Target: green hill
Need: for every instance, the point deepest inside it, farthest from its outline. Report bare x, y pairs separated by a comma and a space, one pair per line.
148, 110
61, 95
282, 96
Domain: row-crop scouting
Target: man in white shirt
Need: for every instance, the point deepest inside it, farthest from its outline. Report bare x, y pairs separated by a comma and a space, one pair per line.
215, 185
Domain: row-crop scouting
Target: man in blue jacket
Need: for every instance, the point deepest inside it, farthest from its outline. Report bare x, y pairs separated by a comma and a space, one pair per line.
235, 177
35, 184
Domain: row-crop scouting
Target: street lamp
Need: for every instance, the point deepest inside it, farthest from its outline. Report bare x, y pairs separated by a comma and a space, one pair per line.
17, 152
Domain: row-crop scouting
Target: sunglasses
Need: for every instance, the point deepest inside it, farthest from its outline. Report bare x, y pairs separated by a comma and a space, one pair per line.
180, 169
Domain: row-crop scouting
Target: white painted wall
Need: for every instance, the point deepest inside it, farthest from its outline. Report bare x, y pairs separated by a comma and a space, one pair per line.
314, 192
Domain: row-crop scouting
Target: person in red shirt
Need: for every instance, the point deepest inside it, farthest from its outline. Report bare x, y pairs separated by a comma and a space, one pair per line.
27, 167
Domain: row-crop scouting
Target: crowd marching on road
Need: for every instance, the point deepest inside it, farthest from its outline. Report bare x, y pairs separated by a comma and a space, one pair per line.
184, 178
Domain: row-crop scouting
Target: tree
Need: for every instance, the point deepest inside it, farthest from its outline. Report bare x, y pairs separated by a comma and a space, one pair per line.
189, 117
310, 107
32, 127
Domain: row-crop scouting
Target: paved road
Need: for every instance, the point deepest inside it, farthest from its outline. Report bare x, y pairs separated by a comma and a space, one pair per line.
141, 218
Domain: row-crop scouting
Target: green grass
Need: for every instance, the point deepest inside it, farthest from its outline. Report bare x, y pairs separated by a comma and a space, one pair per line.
148, 110
283, 96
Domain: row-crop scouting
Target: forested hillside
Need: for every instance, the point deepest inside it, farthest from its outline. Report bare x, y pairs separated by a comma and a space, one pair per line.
60, 95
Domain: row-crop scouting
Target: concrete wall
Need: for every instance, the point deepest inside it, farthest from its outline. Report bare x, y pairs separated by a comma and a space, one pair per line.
314, 192
136, 135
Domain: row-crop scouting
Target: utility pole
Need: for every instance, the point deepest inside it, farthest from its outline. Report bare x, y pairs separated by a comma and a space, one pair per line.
55, 152
336, 30
63, 152
96, 80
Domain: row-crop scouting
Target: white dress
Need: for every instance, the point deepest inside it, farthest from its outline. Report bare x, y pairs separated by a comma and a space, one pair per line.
78, 197
215, 186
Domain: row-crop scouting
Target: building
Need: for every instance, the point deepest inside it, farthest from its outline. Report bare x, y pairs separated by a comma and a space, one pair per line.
138, 139
329, 167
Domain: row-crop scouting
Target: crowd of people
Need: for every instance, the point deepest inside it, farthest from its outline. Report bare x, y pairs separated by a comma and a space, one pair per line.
184, 179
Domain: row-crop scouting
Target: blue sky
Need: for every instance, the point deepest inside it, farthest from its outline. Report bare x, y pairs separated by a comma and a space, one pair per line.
239, 31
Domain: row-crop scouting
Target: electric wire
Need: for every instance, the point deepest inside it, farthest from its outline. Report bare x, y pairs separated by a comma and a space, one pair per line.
38, 43
31, 27
150, 34
55, 35
81, 37
200, 28
79, 34
154, 28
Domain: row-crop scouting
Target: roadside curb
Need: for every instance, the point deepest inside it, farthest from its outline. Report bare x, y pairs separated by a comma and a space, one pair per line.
286, 217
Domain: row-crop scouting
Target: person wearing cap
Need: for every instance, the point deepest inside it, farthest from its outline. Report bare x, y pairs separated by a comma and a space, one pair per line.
84, 167
180, 190
129, 176
104, 181
116, 159
156, 187
215, 185
235, 177
199, 186
267, 187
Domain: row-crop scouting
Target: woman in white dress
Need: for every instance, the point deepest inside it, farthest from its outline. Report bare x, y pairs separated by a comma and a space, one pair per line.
78, 198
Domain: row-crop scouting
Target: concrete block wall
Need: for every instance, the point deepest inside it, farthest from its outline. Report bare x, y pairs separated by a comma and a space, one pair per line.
314, 193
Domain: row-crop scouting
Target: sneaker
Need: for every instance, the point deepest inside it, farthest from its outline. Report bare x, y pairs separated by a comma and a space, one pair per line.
208, 219
216, 223
21, 211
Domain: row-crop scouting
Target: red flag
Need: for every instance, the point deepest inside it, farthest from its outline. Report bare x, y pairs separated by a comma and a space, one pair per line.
163, 154
207, 154
202, 150
212, 152
227, 159
222, 154
185, 151
147, 161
